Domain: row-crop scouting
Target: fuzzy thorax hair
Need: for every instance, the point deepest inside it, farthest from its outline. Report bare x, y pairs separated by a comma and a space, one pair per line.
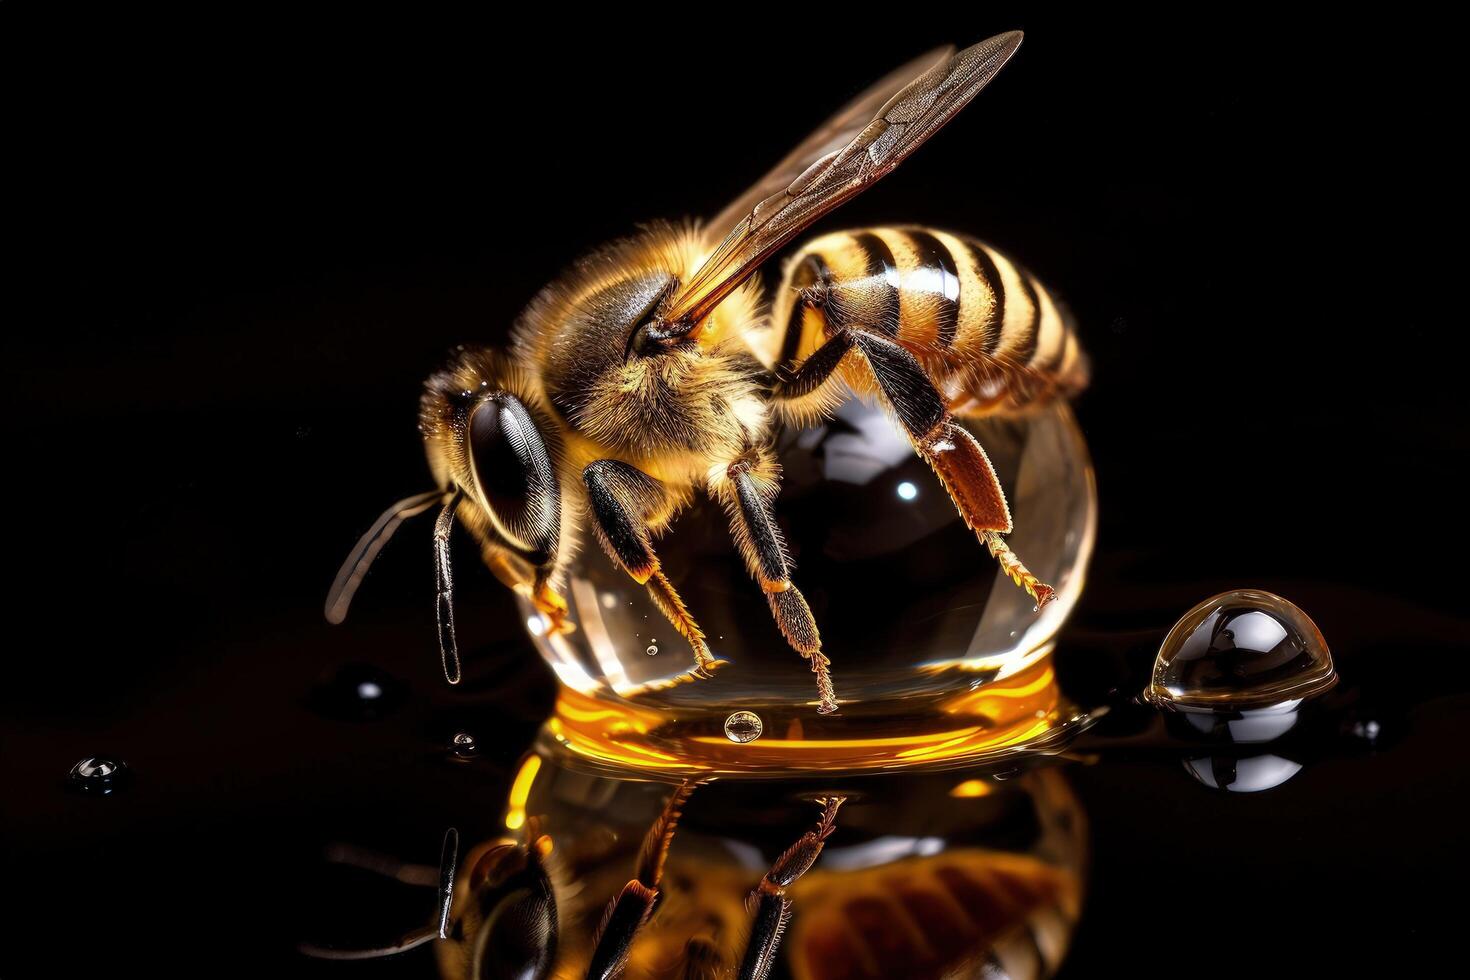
698, 398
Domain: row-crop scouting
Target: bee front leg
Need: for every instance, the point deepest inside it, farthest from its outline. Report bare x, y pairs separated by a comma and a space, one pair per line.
748, 487
622, 498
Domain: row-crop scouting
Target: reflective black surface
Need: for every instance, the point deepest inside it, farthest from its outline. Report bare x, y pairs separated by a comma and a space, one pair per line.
232, 259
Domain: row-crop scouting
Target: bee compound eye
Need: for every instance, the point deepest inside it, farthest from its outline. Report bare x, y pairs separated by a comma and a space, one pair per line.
499, 468
513, 472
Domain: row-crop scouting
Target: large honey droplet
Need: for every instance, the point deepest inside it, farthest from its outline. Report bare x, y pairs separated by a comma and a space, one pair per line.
1241, 651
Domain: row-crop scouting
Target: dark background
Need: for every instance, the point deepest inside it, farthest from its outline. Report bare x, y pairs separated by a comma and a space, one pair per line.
234, 249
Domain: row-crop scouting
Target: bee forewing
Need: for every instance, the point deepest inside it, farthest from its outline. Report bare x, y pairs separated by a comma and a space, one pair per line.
831, 136
838, 162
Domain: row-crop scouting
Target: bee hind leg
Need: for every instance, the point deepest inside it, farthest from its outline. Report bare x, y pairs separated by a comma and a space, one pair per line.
748, 487
623, 497
954, 455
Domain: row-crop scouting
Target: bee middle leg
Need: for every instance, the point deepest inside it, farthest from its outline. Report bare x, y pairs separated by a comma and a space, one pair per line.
747, 487
623, 497
955, 456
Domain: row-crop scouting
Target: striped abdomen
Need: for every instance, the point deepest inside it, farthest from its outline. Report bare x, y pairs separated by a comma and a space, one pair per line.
965, 912
985, 328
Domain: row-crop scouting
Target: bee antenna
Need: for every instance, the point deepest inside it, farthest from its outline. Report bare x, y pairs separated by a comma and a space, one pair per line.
448, 861
360, 559
410, 941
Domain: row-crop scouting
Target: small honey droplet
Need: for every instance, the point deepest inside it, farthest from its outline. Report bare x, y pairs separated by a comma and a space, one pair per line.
744, 726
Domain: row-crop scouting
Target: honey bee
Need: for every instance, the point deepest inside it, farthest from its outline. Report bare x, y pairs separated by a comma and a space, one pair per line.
650, 370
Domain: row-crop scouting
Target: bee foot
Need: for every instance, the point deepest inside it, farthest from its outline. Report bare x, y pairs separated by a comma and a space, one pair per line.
706, 670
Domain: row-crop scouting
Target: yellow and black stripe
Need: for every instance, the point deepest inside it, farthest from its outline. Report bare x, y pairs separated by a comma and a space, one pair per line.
964, 309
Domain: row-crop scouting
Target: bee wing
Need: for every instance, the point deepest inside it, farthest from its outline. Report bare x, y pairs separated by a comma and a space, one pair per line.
839, 161
832, 136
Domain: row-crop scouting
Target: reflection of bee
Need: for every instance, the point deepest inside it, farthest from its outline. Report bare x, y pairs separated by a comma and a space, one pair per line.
883, 904
645, 372
502, 917
966, 912
496, 917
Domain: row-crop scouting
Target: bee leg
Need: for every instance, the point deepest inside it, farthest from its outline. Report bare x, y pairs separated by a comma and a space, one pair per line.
633, 906
747, 489
812, 373
772, 907
550, 603
622, 498
511, 572
956, 458
514, 572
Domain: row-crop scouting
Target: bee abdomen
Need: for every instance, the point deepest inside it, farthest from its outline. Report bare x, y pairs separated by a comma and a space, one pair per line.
974, 317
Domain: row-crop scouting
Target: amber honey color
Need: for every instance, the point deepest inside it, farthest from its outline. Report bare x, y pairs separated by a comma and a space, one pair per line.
1022, 711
